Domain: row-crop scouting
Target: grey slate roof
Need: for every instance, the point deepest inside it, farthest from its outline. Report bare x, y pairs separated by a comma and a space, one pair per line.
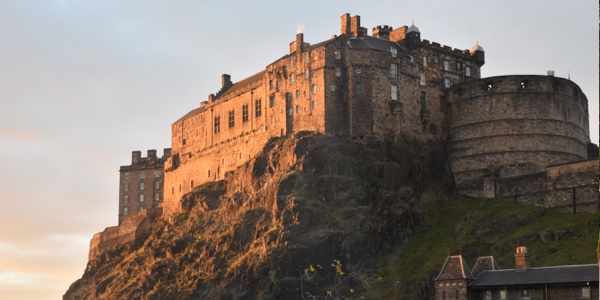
484, 263
455, 267
542, 275
367, 42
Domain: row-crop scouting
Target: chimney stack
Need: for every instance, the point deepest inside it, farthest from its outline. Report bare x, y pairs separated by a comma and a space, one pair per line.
226, 81
345, 24
136, 157
382, 32
522, 262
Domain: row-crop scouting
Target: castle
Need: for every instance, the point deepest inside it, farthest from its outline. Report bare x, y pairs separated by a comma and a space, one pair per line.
524, 137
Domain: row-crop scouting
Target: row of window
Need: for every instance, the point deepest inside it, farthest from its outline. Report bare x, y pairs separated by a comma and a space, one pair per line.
142, 186
126, 210
231, 114
141, 197
142, 174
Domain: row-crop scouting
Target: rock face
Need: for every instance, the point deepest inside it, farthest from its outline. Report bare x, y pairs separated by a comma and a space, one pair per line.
306, 217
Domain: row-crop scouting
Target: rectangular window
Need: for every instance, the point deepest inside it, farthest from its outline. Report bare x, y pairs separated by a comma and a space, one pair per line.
503, 295
141, 197
332, 87
125, 210
458, 65
142, 174
306, 58
126, 199
157, 185
258, 107
525, 294
245, 113
141, 186
231, 118
291, 62
394, 52
488, 295
156, 196
291, 78
270, 84
359, 89
306, 74
446, 82
446, 65
422, 79
393, 70
271, 101
158, 173
297, 94
338, 72
394, 92
217, 128
126, 187
468, 71
424, 61
584, 293
358, 70
313, 104
297, 109
313, 89
126, 176
338, 54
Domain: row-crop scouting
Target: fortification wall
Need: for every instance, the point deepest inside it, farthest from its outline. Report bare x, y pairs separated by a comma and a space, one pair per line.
513, 125
571, 188
132, 228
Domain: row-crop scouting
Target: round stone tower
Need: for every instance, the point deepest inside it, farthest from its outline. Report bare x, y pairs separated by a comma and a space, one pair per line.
514, 125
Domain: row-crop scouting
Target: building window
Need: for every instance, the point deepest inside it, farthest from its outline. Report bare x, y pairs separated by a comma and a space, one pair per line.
525, 294
338, 72
126, 187
394, 92
217, 128
584, 292
126, 176
297, 109
487, 296
306, 74
394, 52
338, 54
291, 78
313, 104
126, 199
503, 295
424, 61
245, 112
142, 174
468, 71
270, 84
141, 197
141, 208
447, 82
313, 89
141, 186
412, 59
192, 183
422, 79
358, 70
297, 94
156, 196
271, 101
125, 210
458, 65
332, 87
444, 295
290, 111
157, 174
172, 190
231, 118
393, 70
208, 173
157, 185
258, 107
359, 89
446, 65
291, 62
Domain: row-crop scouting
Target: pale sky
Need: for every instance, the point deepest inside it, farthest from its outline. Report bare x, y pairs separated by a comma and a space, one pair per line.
84, 83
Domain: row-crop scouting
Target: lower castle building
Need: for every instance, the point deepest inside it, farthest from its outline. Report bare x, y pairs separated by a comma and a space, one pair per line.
488, 282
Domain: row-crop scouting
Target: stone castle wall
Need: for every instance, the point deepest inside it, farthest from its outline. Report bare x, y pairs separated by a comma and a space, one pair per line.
513, 125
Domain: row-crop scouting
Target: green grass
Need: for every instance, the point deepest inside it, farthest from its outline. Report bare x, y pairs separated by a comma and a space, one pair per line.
481, 227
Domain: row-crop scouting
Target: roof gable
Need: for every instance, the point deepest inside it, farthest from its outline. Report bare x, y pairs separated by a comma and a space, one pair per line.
455, 268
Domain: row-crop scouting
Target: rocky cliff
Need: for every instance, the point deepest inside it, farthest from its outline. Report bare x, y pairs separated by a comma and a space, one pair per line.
305, 201
311, 217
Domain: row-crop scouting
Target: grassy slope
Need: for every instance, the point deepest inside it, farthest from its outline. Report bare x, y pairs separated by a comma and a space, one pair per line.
480, 227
